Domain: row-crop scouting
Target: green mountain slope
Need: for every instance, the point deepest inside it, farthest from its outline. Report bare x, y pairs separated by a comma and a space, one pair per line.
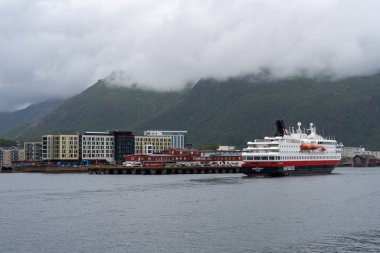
229, 112
9, 120
99, 108
237, 110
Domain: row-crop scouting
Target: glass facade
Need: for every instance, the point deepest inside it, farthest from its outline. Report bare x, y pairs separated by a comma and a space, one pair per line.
124, 145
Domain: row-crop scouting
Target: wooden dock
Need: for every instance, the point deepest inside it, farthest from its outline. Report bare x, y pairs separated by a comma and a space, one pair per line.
160, 170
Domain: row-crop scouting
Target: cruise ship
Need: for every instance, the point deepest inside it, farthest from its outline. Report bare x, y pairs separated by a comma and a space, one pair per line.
294, 152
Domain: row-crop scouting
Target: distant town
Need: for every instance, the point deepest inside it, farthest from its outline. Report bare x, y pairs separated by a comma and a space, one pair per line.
156, 148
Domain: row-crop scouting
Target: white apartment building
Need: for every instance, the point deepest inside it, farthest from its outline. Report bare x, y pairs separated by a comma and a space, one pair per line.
98, 146
178, 139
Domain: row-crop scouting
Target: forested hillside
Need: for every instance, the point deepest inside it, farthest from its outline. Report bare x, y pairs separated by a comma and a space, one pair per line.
228, 112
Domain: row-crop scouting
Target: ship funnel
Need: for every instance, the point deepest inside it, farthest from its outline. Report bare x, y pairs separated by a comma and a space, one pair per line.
280, 128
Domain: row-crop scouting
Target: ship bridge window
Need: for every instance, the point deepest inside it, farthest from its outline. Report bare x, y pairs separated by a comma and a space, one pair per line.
271, 157
264, 158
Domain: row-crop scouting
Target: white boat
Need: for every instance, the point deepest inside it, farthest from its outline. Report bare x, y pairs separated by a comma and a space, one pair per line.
294, 152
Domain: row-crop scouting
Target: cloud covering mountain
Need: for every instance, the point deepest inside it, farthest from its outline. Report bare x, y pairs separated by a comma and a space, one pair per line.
56, 48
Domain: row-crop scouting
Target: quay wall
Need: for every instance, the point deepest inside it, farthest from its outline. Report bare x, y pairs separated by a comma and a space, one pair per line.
40, 169
114, 169
162, 170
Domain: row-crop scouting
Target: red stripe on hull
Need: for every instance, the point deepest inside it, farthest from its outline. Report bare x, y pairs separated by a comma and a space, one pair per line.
288, 163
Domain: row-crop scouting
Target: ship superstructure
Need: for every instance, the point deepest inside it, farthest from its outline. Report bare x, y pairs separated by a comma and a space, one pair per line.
294, 152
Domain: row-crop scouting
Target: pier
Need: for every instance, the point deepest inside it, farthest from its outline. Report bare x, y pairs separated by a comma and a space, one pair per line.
118, 169
160, 170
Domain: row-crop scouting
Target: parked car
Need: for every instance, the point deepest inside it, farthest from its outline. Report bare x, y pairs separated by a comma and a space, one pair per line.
131, 164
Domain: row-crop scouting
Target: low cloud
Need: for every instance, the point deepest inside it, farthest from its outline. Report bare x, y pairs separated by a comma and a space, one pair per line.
56, 48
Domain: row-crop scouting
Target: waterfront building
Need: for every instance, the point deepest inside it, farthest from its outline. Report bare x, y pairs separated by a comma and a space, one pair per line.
10, 155
373, 153
7, 157
350, 152
98, 146
152, 144
20, 152
124, 142
33, 151
1, 155
60, 147
365, 161
187, 157
178, 139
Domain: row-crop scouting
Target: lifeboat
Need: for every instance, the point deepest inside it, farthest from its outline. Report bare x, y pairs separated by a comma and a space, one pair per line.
305, 146
311, 146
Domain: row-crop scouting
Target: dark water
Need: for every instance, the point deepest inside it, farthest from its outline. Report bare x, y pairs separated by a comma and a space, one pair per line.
190, 213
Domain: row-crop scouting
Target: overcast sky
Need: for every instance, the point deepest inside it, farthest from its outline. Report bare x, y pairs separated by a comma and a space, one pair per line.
51, 48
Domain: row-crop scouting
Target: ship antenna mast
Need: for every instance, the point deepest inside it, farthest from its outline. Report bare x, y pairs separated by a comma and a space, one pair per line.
299, 128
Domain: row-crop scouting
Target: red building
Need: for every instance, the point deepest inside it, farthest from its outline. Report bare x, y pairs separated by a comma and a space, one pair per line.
187, 157
184, 152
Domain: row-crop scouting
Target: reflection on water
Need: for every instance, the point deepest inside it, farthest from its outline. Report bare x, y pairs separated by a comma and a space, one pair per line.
190, 213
